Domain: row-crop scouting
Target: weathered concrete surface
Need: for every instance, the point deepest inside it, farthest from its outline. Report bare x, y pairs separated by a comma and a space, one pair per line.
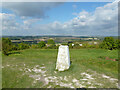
63, 59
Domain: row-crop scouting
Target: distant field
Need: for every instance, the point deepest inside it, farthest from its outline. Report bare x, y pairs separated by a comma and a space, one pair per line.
35, 68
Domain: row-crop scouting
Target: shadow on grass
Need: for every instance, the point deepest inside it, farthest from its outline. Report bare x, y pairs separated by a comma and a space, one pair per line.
70, 62
16, 52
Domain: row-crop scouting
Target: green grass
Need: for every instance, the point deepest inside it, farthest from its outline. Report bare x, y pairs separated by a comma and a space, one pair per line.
90, 61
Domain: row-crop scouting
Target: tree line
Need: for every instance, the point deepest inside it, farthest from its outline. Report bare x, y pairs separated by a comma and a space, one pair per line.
7, 46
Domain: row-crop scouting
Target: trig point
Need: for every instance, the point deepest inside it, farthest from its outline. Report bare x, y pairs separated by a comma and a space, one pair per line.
63, 59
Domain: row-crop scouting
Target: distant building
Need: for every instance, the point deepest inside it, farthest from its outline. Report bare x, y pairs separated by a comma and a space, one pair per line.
73, 44
95, 42
42, 39
96, 39
86, 38
52, 38
90, 38
80, 44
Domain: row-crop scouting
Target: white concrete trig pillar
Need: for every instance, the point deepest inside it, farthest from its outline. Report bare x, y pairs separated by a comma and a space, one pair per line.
63, 58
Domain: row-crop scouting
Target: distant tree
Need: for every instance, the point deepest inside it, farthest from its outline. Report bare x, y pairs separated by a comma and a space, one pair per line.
76, 46
50, 41
108, 43
22, 46
85, 45
6, 45
117, 44
52, 46
34, 46
41, 44
14, 47
64, 44
57, 46
70, 45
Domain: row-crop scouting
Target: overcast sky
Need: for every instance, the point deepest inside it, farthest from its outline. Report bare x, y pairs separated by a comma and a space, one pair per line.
65, 18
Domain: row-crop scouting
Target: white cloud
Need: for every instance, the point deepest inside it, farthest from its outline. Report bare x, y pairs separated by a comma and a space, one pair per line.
8, 21
103, 21
30, 22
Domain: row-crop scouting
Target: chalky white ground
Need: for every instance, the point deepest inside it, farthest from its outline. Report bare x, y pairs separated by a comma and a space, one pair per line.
89, 78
